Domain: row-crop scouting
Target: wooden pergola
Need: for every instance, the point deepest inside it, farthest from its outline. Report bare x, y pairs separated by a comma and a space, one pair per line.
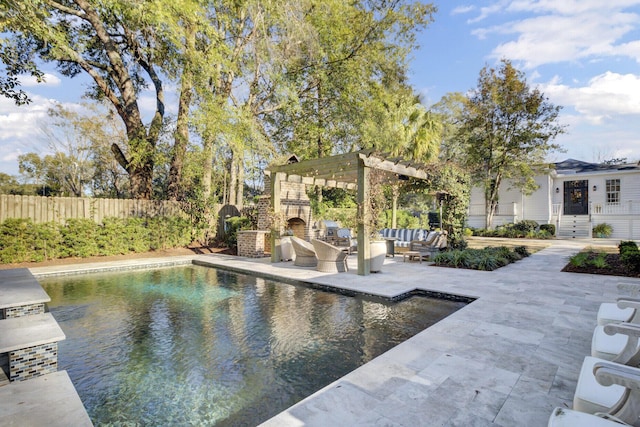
348, 171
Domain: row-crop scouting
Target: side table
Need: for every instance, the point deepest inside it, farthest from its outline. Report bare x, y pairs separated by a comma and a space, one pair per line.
411, 255
391, 249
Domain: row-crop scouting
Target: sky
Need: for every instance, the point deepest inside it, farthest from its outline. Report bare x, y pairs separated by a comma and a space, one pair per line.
584, 55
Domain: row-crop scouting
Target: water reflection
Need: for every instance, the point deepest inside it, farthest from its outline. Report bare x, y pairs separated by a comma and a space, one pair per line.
199, 346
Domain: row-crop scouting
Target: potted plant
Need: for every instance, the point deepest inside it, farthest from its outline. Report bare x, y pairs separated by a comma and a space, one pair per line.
377, 204
602, 231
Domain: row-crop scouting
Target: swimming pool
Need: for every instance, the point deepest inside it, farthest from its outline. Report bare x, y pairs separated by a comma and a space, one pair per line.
200, 346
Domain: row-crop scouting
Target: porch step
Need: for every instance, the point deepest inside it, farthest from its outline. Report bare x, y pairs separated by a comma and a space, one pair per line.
575, 227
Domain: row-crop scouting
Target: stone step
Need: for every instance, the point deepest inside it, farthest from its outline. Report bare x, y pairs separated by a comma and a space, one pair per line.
20, 293
29, 331
32, 344
49, 400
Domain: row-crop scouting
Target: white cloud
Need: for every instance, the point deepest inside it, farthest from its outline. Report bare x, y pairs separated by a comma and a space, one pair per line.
487, 11
460, 10
606, 95
21, 129
568, 7
559, 31
48, 80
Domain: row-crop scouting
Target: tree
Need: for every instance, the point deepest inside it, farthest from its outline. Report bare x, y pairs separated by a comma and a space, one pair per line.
349, 75
113, 42
508, 128
79, 142
15, 62
449, 112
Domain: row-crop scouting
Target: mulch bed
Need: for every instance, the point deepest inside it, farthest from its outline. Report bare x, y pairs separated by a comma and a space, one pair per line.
616, 268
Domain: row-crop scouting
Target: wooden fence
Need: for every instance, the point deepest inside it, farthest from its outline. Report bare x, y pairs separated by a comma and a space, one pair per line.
59, 209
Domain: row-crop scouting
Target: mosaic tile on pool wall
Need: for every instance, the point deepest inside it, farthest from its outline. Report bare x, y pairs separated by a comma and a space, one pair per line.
33, 361
22, 310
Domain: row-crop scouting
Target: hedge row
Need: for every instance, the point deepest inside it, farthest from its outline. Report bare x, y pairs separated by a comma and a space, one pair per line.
523, 229
21, 240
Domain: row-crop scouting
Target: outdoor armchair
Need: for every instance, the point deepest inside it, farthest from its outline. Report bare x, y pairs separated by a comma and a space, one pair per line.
435, 242
331, 259
305, 254
346, 240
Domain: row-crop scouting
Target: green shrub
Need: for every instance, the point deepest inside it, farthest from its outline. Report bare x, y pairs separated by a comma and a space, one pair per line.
80, 238
628, 245
523, 229
631, 260
468, 232
236, 223
549, 228
602, 230
113, 239
579, 259
522, 251
22, 241
15, 235
525, 226
487, 259
600, 261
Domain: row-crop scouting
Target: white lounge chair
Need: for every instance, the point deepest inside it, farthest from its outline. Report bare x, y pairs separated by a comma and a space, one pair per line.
563, 417
608, 387
305, 254
617, 342
331, 259
625, 309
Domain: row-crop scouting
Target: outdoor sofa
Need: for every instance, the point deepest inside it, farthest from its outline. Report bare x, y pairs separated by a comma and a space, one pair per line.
404, 236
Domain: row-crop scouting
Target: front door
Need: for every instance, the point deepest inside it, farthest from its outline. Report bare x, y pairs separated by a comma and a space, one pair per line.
576, 197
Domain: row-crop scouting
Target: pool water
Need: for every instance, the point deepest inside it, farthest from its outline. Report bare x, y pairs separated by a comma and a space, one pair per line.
200, 346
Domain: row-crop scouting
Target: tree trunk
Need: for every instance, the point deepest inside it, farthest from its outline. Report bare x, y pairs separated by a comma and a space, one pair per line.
232, 179
140, 181
492, 187
394, 207
240, 182
182, 125
207, 169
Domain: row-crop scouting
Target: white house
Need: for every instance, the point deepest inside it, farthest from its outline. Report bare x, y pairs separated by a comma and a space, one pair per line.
575, 196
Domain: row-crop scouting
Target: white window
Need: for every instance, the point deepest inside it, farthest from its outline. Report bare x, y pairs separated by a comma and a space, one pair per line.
613, 191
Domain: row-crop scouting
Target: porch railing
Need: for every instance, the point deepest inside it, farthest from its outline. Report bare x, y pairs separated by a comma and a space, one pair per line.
630, 207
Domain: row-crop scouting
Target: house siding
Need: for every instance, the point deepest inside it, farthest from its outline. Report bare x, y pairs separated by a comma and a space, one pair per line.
539, 206
513, 206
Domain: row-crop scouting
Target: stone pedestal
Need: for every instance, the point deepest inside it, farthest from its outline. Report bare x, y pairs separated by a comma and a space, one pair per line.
251, 243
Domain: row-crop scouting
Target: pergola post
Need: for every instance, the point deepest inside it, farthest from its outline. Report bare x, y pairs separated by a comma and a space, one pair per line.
276, 179
364, 220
